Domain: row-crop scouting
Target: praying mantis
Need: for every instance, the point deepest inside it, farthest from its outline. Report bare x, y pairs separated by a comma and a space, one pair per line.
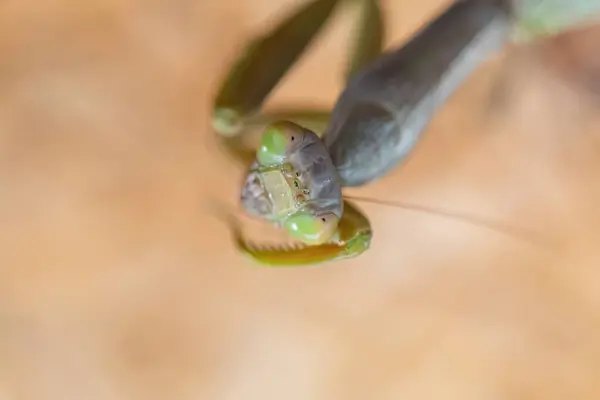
296, 176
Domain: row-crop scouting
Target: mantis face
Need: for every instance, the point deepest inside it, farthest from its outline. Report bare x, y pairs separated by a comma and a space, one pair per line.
294, 185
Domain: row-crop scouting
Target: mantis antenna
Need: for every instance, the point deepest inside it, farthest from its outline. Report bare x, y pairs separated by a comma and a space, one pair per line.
227, 214
496, 226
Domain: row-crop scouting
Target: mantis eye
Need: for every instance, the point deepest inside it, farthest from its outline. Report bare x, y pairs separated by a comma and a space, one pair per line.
312, 229
276, 141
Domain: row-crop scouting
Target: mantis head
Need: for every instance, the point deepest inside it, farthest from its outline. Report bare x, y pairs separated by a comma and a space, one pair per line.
294, 185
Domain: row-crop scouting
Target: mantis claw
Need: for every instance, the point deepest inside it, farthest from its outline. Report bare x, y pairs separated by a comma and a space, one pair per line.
353, 238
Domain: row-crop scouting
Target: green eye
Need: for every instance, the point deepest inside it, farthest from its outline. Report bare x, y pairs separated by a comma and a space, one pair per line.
276, 141
273, 146
312, 229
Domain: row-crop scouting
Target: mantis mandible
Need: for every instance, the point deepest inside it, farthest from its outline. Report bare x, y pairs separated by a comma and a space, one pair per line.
296, 177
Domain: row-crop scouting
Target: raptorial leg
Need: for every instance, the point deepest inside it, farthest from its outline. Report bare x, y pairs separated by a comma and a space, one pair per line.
353, 238
260, 68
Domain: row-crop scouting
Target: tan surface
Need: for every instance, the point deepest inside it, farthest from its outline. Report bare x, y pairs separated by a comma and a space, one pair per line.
116, 284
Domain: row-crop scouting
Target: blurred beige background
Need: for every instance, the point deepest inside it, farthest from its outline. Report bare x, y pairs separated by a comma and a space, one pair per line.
116, 283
